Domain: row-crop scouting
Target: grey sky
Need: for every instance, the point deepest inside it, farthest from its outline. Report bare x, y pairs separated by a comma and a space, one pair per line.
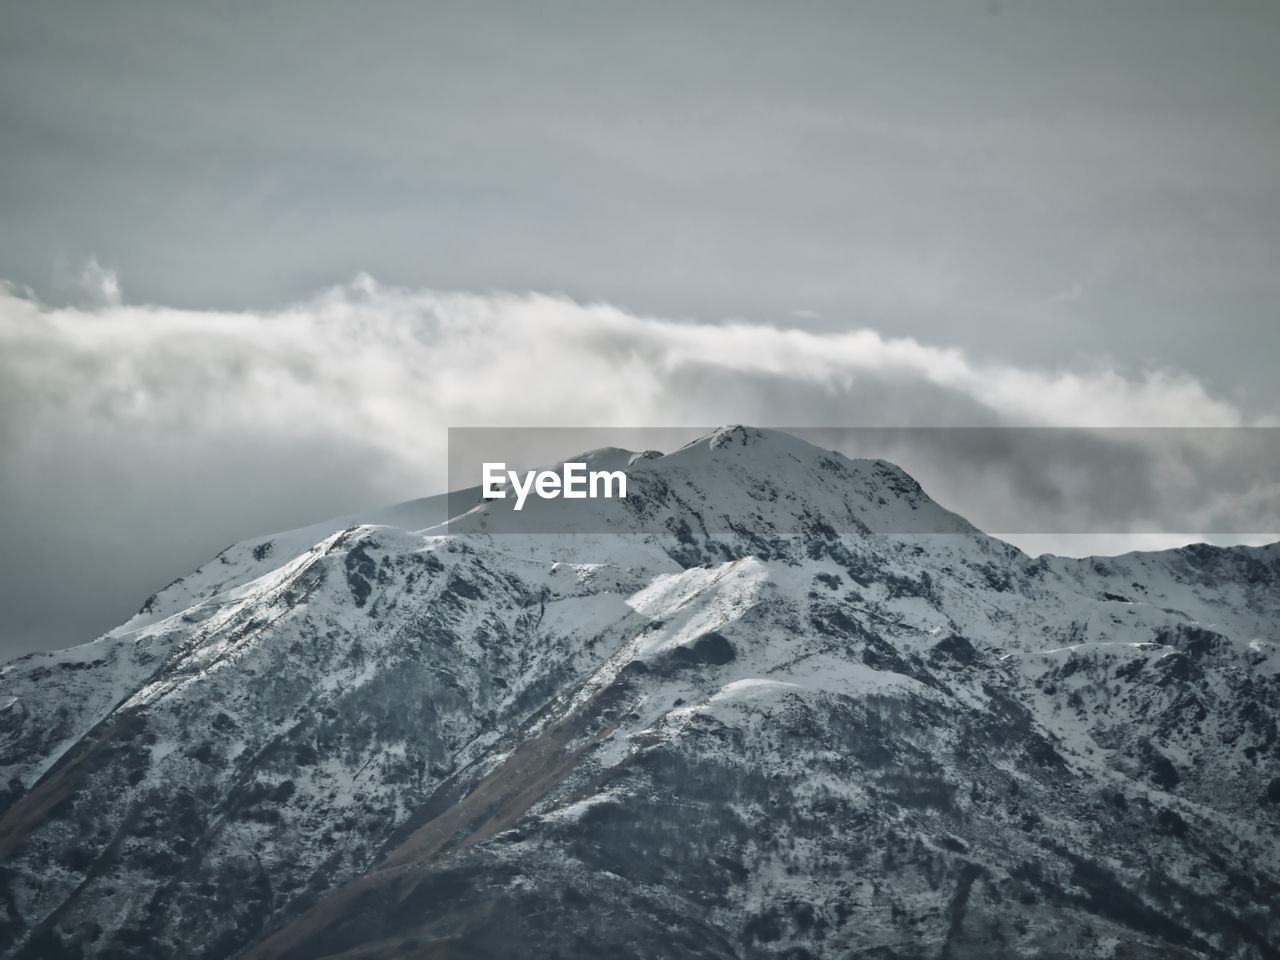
1075, 177
1081, 186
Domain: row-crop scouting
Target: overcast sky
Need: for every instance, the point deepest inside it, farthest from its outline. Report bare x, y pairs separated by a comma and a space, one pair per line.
260, 255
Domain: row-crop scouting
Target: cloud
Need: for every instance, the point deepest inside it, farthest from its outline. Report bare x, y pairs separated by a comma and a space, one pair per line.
140, 438
100, 285
388, 368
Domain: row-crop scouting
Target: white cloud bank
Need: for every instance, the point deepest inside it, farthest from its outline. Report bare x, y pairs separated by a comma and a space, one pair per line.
388, 364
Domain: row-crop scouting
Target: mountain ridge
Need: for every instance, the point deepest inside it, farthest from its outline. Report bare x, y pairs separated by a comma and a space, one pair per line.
761, 732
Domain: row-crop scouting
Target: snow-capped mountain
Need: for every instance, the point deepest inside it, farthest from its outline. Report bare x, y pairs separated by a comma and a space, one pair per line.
775, 703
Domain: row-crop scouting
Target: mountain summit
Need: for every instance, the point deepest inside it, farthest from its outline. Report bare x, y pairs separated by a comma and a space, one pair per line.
775, 703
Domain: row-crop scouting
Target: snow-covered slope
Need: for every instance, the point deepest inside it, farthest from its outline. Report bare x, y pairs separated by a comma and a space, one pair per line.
775, 703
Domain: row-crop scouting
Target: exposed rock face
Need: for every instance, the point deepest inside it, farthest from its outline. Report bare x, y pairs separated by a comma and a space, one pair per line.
792, 708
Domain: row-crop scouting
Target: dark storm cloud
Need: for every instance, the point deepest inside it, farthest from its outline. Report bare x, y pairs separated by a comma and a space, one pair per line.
1070, 482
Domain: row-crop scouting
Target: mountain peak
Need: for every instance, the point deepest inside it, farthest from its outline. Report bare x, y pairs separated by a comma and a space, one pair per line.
736, 435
